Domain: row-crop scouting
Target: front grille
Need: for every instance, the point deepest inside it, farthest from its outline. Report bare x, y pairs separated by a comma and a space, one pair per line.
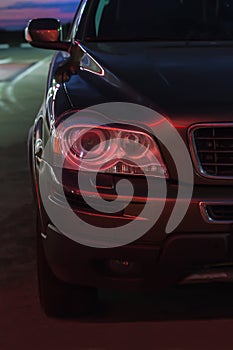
217, 213
212, 146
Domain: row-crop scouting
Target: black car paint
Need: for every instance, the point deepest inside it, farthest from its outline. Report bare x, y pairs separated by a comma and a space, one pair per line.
188, 83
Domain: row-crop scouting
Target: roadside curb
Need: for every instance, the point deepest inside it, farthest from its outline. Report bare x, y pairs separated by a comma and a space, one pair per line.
4, 46
22, 46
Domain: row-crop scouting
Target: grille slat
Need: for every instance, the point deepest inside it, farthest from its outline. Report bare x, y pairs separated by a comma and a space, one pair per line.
213, 150
214, 164
214, 138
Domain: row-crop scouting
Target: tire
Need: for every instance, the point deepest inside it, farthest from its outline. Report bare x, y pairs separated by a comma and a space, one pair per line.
59, 299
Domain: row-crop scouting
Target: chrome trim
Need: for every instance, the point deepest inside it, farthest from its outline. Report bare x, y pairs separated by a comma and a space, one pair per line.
194, 153
209, 276
44, 236
53, 228
206, 216
38, 150
78, 18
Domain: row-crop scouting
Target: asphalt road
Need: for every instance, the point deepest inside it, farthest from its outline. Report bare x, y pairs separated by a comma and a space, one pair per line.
191, 317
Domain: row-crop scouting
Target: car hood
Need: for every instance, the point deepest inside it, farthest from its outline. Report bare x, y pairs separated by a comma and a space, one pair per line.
178, 80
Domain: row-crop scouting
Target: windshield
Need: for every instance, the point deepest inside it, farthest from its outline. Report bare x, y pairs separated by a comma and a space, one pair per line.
162, 20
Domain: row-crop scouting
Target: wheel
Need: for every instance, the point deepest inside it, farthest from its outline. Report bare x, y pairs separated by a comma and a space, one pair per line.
59, 299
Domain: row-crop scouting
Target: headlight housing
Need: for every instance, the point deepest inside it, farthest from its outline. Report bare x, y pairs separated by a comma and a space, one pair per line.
108, 149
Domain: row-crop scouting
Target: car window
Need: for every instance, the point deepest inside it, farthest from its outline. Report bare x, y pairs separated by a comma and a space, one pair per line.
160, 20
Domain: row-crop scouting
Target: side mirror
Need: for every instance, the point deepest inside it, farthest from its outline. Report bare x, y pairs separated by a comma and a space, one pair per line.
46, 33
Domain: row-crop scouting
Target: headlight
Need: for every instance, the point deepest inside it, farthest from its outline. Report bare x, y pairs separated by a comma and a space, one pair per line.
85, 144
134, 144
109, 149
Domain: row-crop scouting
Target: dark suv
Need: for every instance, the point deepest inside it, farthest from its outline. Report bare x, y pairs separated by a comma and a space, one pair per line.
131, 152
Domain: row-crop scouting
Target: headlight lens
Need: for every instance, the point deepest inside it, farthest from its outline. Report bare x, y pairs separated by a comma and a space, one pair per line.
134, 144
109, 149
85, 144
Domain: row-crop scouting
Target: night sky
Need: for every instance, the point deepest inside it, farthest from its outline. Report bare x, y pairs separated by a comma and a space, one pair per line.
15, 14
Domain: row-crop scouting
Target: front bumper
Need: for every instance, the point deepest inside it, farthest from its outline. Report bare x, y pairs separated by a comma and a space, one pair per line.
135, 266
155, 260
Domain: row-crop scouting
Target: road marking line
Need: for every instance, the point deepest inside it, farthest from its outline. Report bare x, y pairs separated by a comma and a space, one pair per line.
4, 46
25, 46
5, 60
3, 105
10, 89
29, 70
